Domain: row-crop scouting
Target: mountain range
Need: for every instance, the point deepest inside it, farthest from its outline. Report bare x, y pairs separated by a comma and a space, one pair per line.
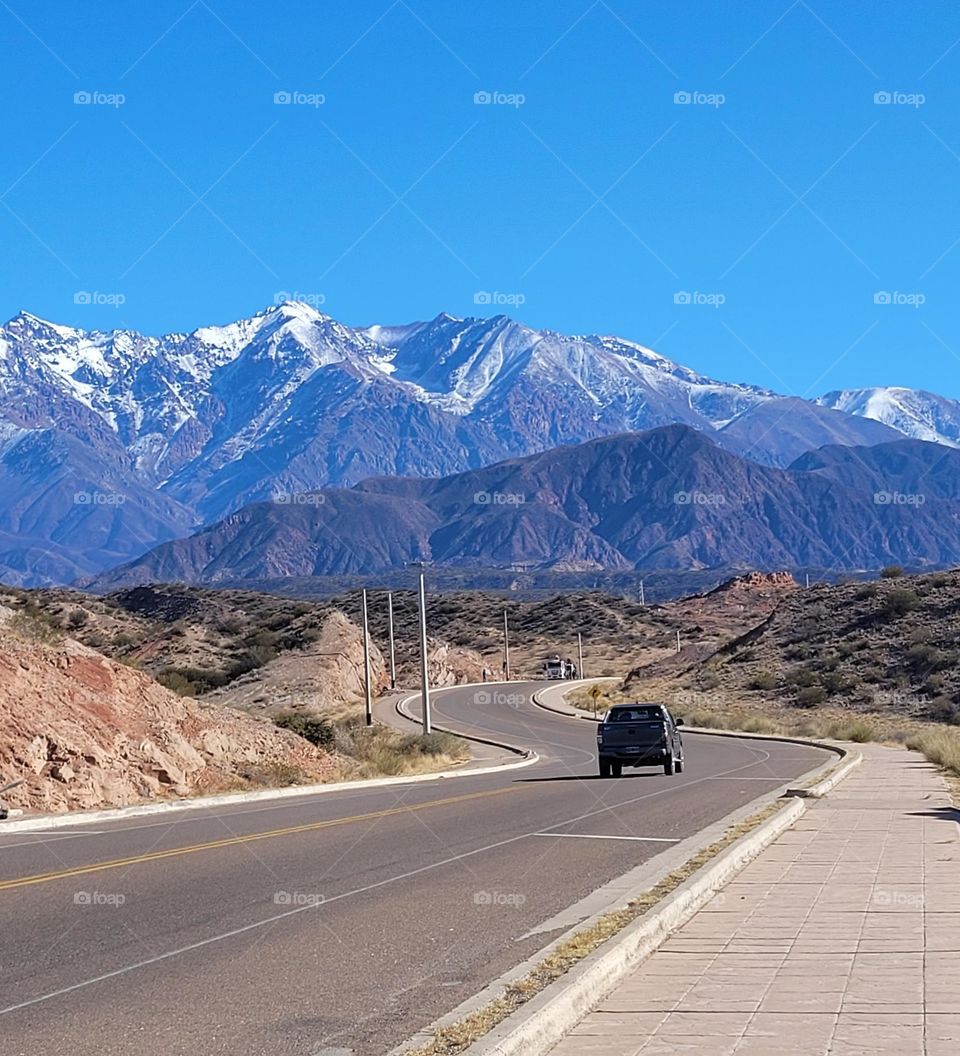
112, 442
668, 498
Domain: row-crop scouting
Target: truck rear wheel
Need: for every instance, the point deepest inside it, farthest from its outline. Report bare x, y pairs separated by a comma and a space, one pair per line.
670, 765
617, 769
604, 767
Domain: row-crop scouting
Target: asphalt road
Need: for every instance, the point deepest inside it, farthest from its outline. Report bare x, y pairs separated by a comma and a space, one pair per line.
344, 921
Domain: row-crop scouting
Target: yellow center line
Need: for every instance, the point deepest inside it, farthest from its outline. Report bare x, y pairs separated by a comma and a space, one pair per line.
174, 852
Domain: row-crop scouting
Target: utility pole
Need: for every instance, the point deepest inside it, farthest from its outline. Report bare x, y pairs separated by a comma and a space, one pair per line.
506, 647
678, 640
642, 602
393, 660
579, 654
366, 662
424, 674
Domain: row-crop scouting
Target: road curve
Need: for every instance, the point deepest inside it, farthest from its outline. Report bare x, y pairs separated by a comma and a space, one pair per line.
343, 921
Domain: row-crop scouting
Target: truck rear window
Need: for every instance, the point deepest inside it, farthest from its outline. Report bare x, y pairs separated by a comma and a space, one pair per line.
637, 714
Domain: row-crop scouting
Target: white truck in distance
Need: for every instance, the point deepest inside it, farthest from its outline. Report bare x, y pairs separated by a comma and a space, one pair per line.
554, 668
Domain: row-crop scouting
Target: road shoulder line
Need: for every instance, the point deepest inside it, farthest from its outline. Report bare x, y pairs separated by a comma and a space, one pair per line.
44, 822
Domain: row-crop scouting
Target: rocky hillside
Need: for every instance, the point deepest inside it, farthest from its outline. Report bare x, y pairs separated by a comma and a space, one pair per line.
892, 645
255, 651
85, 731
887, 650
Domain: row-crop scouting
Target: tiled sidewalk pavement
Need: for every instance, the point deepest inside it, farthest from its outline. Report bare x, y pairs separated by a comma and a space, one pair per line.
843, 937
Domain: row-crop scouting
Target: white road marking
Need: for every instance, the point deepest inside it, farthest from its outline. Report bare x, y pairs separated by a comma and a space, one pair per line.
592, 836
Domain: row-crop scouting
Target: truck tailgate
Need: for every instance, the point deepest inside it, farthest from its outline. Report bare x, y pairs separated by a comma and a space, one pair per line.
627, 734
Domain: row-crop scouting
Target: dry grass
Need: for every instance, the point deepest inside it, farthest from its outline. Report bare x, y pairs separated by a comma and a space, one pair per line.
451, 1040
940, 745
377, 751
938, 742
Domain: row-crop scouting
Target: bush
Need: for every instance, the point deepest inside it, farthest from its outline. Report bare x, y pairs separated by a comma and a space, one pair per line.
922, 658
31, 623
856, 730
195, 681
943, 709
892, 572
177, 683
763, 680
899, 602
801, 676
318, 732
834, 682
811, 696
77, 619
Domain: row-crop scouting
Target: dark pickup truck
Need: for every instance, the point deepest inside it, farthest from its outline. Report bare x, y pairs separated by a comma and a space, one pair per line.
639, 735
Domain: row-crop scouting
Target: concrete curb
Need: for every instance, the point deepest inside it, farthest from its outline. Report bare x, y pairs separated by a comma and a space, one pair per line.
551, 1014
528, 755
827, 784
44, 822
545, 1019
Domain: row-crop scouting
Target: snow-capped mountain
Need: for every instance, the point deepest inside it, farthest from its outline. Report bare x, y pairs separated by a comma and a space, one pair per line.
167, 433
913, 412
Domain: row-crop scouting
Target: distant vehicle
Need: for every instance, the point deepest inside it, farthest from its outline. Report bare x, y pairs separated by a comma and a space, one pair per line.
639, 735
554, 668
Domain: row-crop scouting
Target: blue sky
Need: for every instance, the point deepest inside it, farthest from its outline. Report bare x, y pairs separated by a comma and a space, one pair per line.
583, 195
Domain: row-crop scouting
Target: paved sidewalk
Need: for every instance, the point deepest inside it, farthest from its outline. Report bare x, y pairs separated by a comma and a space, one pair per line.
842, 938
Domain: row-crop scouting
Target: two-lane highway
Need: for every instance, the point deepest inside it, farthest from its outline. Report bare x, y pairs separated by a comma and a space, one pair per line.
343, 920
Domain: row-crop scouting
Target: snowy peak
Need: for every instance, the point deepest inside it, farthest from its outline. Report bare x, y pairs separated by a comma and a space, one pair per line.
291, 400
913, 412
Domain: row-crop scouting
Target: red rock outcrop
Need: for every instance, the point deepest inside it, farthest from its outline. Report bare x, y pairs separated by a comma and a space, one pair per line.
87, 732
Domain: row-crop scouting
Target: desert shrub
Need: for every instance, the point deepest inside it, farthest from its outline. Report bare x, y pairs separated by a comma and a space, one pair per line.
857, 730
892, 572
801, 676
763, 680
943, 709
77, 619
834, 682
866, 592
317, 731
123, 641
32, 623
899, 602
939, 580
429, 744
177, 683
201, 679
933, 685
276, 775
810, 696
922, 657
708, 679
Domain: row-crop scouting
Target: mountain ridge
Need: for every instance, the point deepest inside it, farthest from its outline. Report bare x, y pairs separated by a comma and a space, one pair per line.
170, 433
668, 498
